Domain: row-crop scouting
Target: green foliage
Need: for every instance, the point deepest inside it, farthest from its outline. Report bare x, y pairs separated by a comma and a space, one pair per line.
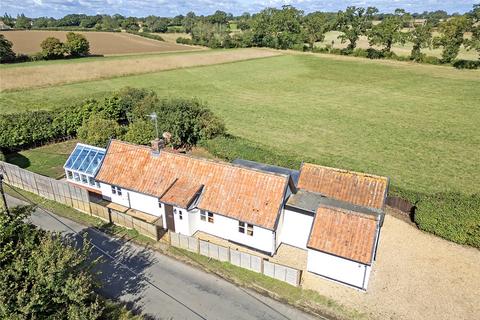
146, 35
389, 31
183, 40
452, 37
353, 23
98, 131
315, 25
26, 129
41, 276
6, 51
140, 132
2, 156
52, 48
466, 64
77, 45
421, 37
474, 42
23, 22
210, 35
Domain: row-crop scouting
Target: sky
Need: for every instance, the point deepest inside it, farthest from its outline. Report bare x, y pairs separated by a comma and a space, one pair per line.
141, 8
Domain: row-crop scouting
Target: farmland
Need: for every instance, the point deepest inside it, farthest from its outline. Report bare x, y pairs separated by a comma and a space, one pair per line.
414, 123
101, 43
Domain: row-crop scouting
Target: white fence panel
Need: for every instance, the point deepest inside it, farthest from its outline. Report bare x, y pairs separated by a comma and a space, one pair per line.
175, 239
235, 257
203, 248
256, 264
223, 254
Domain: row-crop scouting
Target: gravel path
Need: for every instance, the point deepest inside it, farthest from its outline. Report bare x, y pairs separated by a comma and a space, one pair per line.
416, 276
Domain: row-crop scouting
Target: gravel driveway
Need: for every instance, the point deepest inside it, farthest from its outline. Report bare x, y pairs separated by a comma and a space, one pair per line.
416, 276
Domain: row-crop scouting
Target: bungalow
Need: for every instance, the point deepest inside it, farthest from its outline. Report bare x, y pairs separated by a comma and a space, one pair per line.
332, 214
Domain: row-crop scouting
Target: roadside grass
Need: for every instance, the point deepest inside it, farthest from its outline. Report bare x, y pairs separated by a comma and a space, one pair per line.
47, 160
414, 124
301, 298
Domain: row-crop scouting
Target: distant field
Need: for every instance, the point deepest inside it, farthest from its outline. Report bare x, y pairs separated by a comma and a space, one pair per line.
28, 75
418, 124
105, 43
397, 48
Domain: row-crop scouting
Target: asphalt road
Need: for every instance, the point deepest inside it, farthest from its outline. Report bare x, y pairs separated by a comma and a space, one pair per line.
161, 287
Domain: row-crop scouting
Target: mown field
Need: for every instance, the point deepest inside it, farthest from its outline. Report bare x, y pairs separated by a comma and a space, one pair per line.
105, 43
418, 124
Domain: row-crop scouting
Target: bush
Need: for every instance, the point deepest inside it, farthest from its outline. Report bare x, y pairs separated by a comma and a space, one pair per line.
466, 64
24, 129
146, 35
359, 52
6, 52
431, 60
2, 156
77, 45
375, 54
140, 132
182, 40
52, 48
98, 131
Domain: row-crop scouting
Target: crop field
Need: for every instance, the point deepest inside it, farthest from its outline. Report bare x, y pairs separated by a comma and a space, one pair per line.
417, 124
38, 74
104, 43
401, 50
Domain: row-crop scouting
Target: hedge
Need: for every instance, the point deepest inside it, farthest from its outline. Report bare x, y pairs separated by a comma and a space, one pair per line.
146, 35
452, 216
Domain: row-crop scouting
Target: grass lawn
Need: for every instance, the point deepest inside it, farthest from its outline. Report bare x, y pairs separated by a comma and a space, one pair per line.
47, 160
417, 124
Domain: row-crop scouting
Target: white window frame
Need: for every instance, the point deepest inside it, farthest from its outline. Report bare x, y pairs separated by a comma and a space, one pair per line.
91, 181
69, 175
117, 190
159, 203
76, 177
245, 228
210, 217
203, 215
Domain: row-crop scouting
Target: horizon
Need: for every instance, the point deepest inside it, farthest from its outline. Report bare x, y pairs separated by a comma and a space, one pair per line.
143, 8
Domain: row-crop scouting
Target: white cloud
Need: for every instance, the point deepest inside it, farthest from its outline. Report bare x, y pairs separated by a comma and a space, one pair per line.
57, 8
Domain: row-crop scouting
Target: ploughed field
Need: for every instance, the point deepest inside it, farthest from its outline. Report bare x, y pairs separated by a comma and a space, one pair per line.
104, 43
417, 124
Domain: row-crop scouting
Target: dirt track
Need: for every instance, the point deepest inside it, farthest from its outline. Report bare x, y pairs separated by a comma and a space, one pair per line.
416, 276
72, 71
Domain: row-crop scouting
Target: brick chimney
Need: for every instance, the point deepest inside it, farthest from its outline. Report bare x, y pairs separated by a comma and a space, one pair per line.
157, 145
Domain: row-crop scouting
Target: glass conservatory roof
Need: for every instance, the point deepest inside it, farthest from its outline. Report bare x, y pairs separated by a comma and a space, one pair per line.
85, 159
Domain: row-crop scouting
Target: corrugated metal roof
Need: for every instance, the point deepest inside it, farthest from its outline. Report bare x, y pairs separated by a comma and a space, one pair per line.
344, 233
244, 194
354, 187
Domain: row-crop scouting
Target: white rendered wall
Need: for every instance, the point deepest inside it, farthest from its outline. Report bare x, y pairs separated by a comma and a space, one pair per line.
336, 268
134, 200
296, 228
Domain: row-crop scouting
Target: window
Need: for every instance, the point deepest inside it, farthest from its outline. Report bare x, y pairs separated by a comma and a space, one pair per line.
84, 178
210, 217
69, 175
180, 214
76, 176
203, 215
159, 203
116, 190
97, 184
91, 181
248, 229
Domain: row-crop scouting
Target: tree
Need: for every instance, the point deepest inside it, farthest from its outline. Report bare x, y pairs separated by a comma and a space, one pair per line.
389, 31
140, 132
315, 24
98, 131
452, 37
189, 21
353, 23
421, 37
6, 52
219, 17
474, 42
23, 22
8, 20
77, 45
41, 275
52, 48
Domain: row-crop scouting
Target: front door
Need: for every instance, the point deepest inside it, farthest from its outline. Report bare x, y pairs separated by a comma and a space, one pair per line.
169, 216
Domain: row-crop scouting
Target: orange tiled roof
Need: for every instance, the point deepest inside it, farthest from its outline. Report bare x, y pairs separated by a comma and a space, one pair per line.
354, 187
244, 194
344, 233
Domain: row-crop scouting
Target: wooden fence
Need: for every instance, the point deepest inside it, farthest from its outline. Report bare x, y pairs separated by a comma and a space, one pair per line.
238, 258
72, 196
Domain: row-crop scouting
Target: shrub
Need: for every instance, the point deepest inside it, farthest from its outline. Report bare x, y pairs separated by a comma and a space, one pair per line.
2, 156
182, 40
431, 60
98, 131
146, 35
140, 132
77, 45
359, 52
52, 48
375, 54
26, 129
6, 52
466, 64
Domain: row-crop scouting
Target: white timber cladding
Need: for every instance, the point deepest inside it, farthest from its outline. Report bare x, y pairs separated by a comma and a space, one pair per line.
339, 269
296, 228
